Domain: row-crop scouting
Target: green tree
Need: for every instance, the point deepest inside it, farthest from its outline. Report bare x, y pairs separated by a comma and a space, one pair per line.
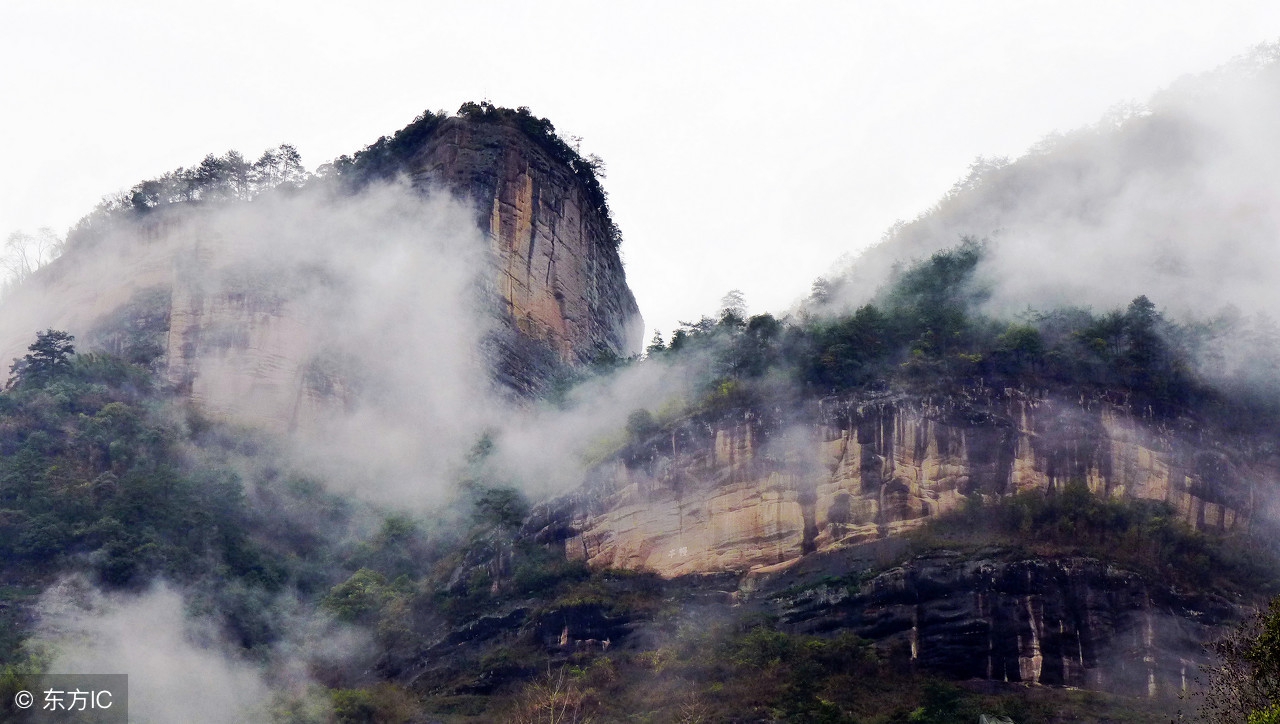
354, 706
359, 597
500, 506
820, 292
679, 339
656, 345
1019, 349
850, 351
733, 308
280, 166
49, 356
641, 425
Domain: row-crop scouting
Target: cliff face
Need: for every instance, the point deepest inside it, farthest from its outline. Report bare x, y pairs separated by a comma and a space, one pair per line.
1066, 621
559, 277
236, 324
751, 496
807, 511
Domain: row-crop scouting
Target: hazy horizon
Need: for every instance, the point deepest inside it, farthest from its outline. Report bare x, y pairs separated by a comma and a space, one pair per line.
746, 146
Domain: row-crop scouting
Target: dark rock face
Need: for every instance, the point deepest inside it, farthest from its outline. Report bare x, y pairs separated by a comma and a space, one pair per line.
1059, 621
559, 281
996, 615
581, 627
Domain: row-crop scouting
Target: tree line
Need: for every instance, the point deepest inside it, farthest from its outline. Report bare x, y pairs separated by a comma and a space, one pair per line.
926, 331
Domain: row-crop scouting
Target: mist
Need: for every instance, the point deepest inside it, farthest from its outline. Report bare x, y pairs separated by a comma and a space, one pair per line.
1175, 199
351, 327
346, 334
181, 666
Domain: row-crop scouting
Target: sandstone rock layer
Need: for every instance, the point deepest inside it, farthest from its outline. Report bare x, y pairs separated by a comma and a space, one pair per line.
559, 277
742, 496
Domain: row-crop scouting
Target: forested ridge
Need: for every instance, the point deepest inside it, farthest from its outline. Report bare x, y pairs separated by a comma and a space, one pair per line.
107, 475
113, 478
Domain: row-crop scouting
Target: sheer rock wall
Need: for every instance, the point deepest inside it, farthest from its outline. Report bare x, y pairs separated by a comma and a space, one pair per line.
749, 495
559, 278
1068, 621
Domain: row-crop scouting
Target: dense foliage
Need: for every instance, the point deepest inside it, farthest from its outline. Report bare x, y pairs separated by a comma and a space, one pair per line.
98, 474
387, 157
926, 332
84, 476
216, 179
1244, 681
102, 473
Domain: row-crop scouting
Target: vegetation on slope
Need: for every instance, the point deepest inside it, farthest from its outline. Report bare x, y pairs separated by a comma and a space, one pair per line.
1243, 683
231, 177
101, 474
1147, 536
926, 333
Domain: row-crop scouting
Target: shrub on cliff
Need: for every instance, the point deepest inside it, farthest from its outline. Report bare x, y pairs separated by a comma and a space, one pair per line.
541, 131
98, 476
1244, 678
1142, 533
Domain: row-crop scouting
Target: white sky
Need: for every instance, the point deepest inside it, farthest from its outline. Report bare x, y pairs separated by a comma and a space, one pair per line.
748, 145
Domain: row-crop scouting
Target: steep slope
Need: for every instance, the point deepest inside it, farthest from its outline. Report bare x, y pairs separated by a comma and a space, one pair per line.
854, 490
918, 393
559, 275
1062, 620
227, 297
830, 524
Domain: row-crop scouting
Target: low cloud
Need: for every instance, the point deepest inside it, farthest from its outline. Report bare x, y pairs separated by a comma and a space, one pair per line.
1177, 200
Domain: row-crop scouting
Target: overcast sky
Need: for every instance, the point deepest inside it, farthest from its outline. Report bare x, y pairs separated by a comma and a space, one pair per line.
748, 145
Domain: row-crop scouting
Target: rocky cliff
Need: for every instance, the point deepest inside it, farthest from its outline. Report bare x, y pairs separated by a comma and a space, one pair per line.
213, 302
1067, 621
807, 510
559, 277
752, 494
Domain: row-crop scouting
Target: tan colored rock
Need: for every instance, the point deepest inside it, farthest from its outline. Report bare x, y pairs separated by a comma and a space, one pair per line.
558, 273
725, 503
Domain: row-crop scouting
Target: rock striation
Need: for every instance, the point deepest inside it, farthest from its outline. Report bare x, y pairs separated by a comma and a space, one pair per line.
807, 507
1070, 621
558, 276
750, 494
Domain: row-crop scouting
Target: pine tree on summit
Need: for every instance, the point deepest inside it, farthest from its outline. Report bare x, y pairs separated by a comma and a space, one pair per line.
49, 356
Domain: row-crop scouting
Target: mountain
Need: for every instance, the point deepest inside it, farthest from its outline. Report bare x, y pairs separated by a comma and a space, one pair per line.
245, 330
560, 279
853, 466
375, 444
